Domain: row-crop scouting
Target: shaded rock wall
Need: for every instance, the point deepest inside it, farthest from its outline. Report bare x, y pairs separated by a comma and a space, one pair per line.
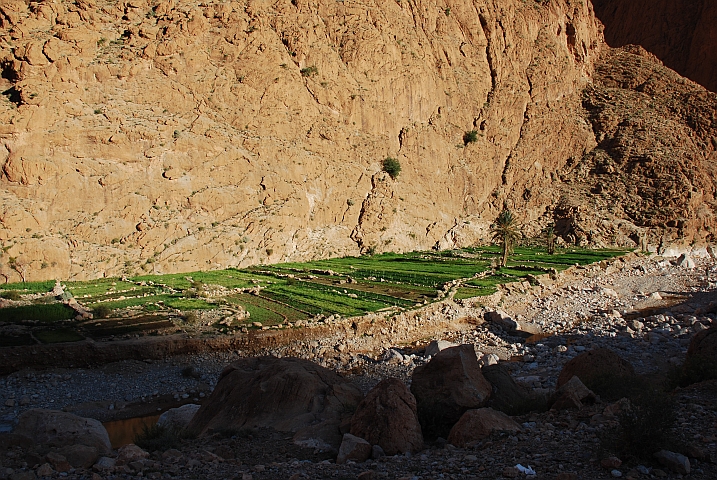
683, 34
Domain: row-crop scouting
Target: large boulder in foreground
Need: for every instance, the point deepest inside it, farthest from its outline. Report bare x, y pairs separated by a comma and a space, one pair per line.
53, 428
287, 394
509, 397
388, 417
446, 387
475, 425
601, 370
701, 360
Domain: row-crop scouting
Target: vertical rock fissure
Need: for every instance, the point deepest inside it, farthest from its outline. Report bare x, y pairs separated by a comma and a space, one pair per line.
489, 56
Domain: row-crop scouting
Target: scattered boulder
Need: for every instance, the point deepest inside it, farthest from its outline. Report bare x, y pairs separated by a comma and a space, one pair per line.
45, 470
53, 428
475, 425
701, 360
58, 462
685, 261
130, 453
105, 463
674, 461
507, 396
573, 394
178, 417
80, 456
446, 387
287, 394
502, 319
436, 346
388, 417
488, 359
353, 448
599, 369
392, 356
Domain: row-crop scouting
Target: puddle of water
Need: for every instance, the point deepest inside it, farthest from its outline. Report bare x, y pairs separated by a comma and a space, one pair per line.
538, 337
123, 432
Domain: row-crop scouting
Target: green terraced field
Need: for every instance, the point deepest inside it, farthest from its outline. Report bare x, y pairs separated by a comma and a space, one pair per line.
281, 293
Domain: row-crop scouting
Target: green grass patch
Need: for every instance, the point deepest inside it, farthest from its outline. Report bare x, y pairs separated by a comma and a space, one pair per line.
58, 336
257, 309
50, 312
30, 287
346, 286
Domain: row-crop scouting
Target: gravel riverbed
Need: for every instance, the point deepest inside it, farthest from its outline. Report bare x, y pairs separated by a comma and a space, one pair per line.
644, 308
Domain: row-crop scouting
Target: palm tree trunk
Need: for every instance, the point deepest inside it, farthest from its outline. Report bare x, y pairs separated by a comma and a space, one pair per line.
504, 260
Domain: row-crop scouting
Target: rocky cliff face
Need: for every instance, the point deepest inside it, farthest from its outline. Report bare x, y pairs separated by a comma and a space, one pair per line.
682, 33
140, 136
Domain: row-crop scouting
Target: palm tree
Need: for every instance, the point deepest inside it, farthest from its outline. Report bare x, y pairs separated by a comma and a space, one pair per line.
550, 237
506, 232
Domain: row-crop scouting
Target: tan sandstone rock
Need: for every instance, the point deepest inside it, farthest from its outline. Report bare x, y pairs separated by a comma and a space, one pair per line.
388, 417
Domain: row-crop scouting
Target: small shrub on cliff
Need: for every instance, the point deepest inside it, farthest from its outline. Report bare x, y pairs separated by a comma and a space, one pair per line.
392, 167
470, 137
309, 71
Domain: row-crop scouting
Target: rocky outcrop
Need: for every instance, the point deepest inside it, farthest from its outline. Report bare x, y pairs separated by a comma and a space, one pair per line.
681, 34
287, 394
654, 165
172, 136
446, 387
388, 417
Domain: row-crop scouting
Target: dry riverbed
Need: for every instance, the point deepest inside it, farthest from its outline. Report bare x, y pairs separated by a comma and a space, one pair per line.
644, 308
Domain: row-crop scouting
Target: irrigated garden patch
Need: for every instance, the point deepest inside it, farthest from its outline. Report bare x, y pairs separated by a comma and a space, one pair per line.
267, 296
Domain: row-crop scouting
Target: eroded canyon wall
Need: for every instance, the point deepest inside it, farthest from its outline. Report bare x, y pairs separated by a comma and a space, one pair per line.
160, 137
172, 137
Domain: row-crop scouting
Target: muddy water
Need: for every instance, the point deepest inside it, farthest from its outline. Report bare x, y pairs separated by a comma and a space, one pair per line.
123, 432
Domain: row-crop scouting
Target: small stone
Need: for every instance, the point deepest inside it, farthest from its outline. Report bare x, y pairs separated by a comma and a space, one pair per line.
616, 473
511, 472
59, 462
45, 470
353, 448
611, 462
674, 461
258, 468
377, 452
104, 463
489, 359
